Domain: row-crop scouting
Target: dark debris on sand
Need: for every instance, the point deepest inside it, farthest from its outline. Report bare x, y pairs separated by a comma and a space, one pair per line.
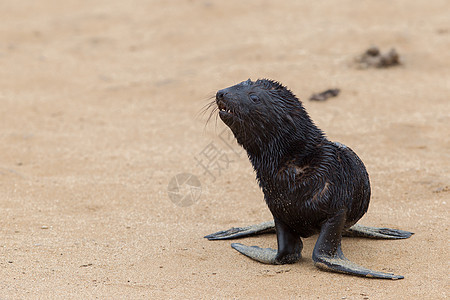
373, 58
325, 95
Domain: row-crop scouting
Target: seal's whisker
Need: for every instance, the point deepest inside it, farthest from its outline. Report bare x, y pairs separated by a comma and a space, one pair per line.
205, 108
211, 114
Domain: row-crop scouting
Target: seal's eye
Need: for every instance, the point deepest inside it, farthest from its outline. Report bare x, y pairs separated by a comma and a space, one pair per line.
254, 97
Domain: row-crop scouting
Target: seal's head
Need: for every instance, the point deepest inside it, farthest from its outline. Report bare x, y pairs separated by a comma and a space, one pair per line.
261, 112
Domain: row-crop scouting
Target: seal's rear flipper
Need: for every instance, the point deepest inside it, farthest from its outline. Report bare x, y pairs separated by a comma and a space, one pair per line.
328, 254
376, 233
239, 232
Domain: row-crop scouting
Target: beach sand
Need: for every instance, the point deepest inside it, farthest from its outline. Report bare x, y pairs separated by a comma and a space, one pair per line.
99, 120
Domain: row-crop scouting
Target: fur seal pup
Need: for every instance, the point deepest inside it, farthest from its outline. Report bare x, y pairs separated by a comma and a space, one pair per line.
310, 184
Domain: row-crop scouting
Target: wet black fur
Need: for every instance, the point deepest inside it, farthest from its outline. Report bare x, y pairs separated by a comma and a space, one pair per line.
306, 179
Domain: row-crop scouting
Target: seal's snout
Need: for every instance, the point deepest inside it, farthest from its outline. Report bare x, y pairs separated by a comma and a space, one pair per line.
225, 107
221, 102
220, 95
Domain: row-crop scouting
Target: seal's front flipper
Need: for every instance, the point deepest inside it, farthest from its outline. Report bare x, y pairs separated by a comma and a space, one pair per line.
343, 265
327, 254
239, 232
289, 248
266, 255
376, 233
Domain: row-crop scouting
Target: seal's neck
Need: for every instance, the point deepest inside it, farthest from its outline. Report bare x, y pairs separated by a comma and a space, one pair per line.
268, 158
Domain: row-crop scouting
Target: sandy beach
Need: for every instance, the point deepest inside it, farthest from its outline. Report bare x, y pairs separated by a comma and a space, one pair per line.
110, 175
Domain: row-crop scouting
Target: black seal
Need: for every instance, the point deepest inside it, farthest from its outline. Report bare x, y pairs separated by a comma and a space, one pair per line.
310, 184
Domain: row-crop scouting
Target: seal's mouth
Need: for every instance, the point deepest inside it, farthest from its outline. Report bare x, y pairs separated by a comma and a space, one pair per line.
224, 109
226, 113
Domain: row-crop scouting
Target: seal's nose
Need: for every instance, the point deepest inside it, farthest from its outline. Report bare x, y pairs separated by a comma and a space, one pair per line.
219, 95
